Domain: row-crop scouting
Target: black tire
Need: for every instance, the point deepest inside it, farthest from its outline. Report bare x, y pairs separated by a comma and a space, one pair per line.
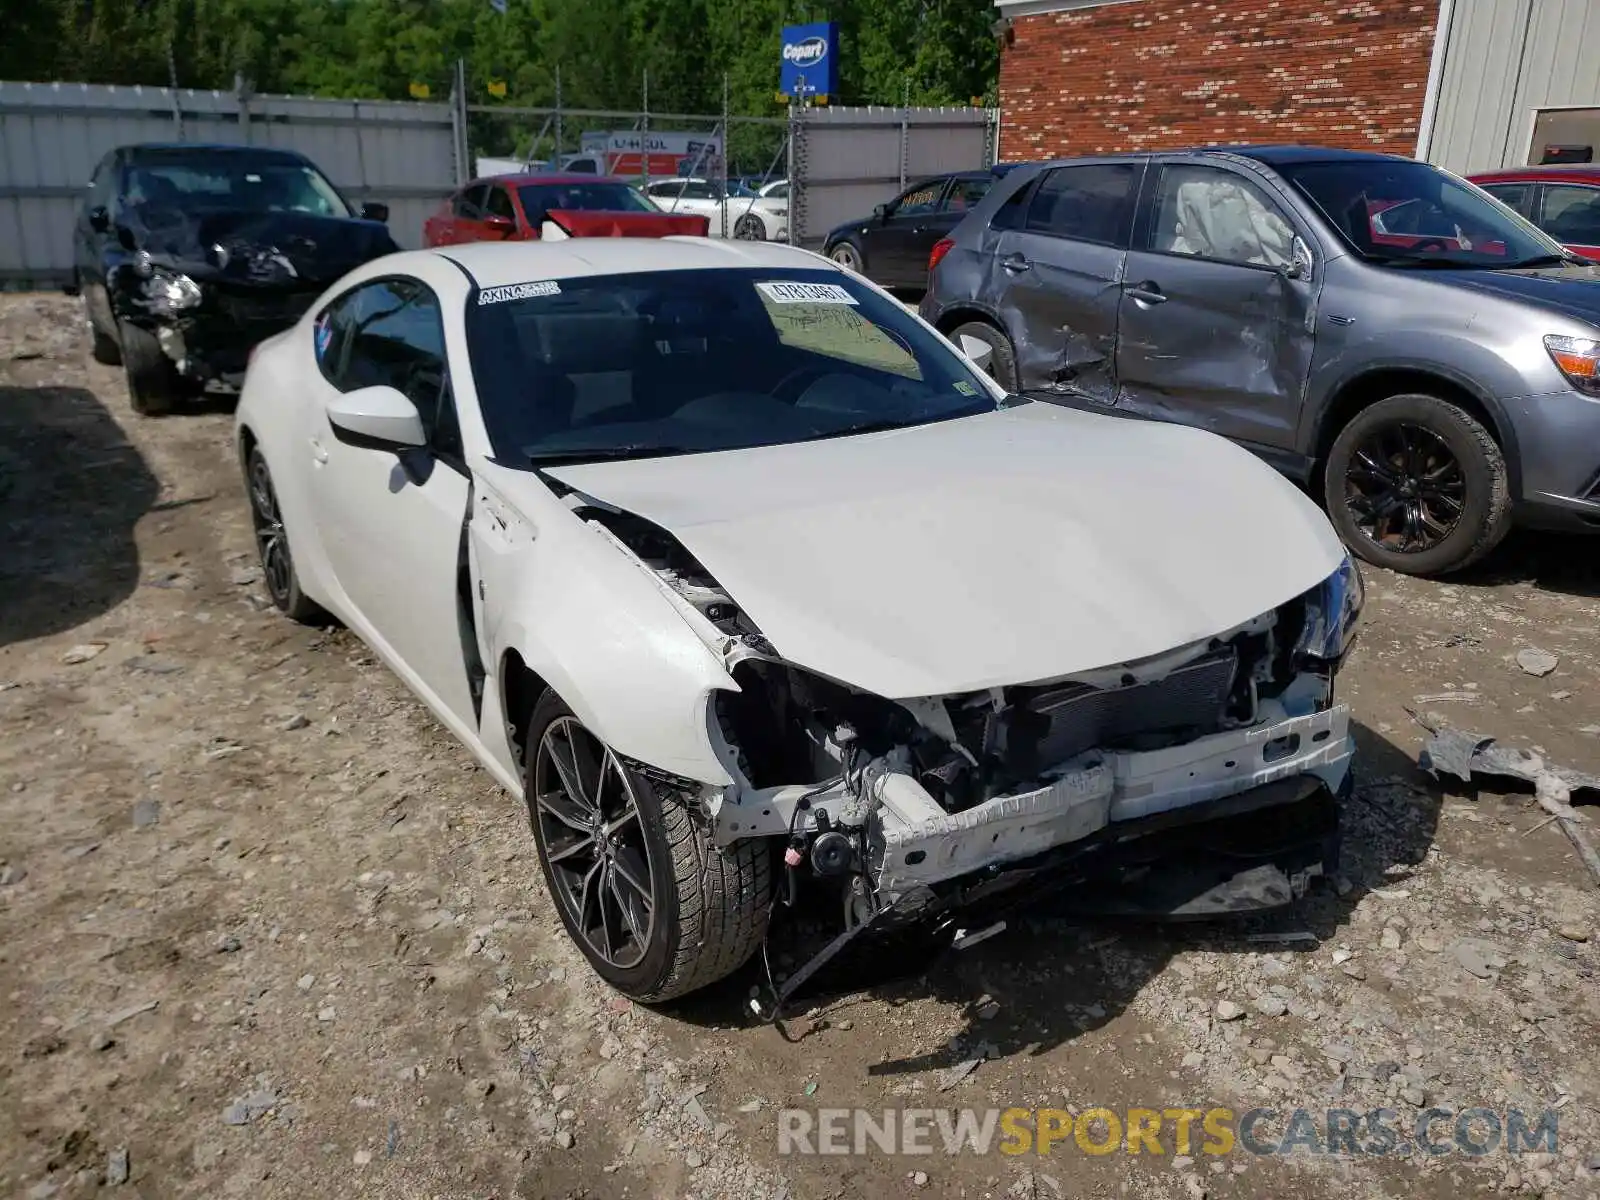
750, 228
848, 255
103, 346
272, 544
1417, 484
154, 387
1002, 358
709, 906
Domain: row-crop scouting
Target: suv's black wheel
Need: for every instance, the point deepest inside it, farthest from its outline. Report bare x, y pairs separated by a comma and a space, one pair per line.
272, 543
1002, 358
154, 386
103, 347
1417, 484
655, 906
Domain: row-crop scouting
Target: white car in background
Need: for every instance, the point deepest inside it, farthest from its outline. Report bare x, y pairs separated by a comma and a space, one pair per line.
741, 576
749, 218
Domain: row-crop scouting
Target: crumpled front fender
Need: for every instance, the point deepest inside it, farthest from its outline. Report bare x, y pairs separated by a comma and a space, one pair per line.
595, 625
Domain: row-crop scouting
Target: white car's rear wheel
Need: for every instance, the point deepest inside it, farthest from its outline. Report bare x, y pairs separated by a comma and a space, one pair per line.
655, 906
272, 543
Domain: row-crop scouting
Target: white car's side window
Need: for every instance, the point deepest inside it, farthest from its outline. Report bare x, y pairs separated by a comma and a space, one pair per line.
391, 332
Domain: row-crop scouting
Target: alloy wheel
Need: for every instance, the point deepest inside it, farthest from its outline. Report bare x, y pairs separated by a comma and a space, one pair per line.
594, 842
1405, 488
271, 542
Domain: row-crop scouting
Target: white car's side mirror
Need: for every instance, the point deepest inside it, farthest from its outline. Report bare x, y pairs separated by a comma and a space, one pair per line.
380, 414
977, 351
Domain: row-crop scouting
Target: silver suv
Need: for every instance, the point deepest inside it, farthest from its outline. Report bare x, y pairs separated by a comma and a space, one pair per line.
1389, 335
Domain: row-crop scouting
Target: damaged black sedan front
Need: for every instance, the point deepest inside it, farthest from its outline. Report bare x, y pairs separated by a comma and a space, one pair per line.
188, 256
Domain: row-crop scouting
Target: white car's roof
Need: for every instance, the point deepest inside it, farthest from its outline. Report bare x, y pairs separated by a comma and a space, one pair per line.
495, 264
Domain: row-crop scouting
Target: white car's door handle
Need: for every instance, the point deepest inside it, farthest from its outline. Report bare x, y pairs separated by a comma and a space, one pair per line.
317, 452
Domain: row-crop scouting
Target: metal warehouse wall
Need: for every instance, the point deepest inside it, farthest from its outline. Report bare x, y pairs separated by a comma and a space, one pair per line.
1502, 60
53, 134
848, 159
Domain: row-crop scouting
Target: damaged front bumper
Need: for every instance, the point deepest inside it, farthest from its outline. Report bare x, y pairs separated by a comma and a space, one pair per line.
923, 845
1100, 797
207, 330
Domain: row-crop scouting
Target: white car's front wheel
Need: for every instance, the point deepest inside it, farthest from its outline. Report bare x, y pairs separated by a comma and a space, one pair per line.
656, 907
749, 228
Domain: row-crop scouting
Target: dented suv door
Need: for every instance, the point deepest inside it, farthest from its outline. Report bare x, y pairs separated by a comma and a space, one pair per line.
1216, 324
1057, 270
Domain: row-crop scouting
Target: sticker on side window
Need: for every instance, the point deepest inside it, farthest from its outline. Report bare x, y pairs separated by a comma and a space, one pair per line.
519, 291
786, 291
324, 335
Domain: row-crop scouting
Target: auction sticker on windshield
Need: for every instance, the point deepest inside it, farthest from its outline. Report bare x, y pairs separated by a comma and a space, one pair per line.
519, 291
790, 292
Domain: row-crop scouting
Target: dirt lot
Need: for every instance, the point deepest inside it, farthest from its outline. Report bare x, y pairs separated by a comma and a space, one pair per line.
265, 930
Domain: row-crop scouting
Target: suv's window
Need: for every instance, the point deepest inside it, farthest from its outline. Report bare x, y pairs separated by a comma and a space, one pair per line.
1571, 213
469, 203
919, 201
390, 332
965, 194
1011, 214
1091, 203
1210, 213
499, 204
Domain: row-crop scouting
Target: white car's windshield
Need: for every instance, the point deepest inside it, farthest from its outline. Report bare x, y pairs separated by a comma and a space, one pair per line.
1409, 213
675, 362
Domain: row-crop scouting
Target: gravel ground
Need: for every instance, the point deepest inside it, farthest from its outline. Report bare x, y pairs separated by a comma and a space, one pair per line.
265, 930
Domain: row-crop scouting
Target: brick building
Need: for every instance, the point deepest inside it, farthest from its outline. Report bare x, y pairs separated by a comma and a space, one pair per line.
1087, 76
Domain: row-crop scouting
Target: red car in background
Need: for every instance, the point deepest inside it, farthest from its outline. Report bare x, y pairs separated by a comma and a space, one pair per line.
516, 208
1564, 201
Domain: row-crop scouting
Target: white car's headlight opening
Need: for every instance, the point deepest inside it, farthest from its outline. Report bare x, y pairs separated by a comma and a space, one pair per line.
1332, 615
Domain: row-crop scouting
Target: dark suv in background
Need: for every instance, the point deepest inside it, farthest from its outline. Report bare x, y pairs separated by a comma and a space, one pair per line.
1388, 334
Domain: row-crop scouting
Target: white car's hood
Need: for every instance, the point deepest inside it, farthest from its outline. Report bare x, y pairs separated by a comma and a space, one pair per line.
1012, 547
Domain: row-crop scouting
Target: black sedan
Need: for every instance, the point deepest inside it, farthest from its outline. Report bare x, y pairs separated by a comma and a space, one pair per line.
189, 255
891, 246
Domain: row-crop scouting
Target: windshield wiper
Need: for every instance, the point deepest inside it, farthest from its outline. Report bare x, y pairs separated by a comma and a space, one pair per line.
885, 425
1430, 260
547, 458
1547, 260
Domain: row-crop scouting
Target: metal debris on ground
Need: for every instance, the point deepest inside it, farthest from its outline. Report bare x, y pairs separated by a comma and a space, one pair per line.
1478, 758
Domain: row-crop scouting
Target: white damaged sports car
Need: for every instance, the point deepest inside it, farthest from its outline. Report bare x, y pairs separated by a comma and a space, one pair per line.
745, 578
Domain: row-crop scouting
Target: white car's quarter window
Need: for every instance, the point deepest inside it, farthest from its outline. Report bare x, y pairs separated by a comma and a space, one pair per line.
676, 362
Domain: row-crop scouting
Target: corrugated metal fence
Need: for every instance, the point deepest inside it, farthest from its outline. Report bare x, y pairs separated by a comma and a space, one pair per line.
848, 159
843, 160
53, 134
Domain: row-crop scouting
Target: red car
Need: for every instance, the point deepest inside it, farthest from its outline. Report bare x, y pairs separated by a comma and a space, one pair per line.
516, 208
1564, 201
